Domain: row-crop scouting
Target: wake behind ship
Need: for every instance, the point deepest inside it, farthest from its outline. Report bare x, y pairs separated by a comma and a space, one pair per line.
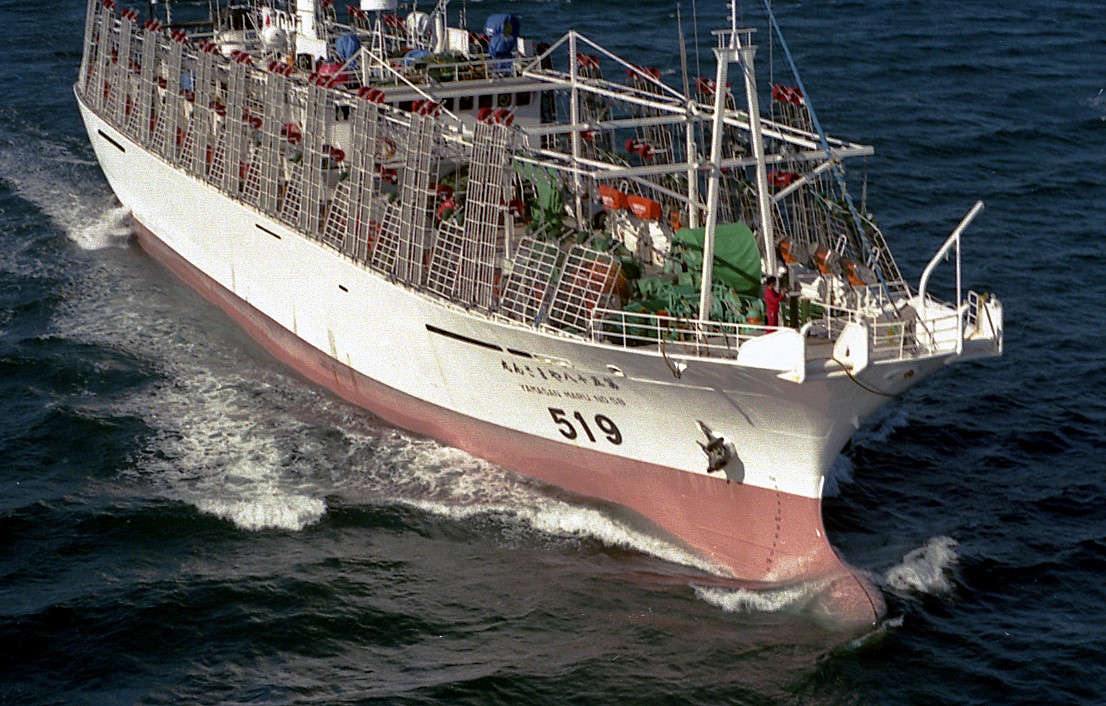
493, 242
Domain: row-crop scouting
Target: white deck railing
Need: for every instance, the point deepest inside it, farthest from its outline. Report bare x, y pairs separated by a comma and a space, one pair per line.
686, 337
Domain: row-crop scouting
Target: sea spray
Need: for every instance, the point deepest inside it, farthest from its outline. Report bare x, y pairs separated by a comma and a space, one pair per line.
925, 570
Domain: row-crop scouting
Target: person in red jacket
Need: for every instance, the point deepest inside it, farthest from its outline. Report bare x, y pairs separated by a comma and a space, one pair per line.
772, 299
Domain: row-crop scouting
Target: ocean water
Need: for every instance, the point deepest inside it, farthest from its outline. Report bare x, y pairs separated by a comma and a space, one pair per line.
182, 520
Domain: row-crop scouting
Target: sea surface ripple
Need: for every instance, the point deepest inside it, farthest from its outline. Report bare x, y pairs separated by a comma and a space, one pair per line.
182, 520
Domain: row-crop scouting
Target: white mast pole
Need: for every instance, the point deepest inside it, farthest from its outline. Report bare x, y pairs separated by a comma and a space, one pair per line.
574, 116
689, 138
764, 200
723, 55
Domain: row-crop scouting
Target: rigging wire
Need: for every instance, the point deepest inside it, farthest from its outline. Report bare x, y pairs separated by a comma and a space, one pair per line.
695, 31
838, 172
771, 63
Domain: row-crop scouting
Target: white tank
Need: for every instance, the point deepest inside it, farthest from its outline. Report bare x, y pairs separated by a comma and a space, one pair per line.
378, 5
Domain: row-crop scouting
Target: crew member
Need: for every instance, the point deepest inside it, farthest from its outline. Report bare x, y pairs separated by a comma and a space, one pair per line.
772, 298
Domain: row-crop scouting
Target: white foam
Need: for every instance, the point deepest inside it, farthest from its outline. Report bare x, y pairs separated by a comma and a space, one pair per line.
210, 444
220, 439
926, 569
245, 442
882, 425
71, 192
218, 450
110, 229
459, 486
739, 600
248, 445
267, 509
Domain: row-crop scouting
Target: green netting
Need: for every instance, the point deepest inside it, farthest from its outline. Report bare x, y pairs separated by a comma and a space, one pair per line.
736, 255
548, 202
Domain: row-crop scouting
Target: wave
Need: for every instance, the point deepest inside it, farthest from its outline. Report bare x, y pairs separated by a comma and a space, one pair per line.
70, 191
450, 483
880, 428
253, 446
740, 600
926, 570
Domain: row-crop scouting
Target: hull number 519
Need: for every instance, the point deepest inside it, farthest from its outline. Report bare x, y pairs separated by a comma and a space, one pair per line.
567, 425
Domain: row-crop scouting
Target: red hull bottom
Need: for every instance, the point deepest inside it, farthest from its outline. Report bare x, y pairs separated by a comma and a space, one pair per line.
766, 538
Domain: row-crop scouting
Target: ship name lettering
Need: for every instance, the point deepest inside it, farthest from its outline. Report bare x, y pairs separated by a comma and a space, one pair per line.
538, 390
535, 371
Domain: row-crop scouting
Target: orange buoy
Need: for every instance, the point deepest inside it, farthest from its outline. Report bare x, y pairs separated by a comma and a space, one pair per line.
643, 208
613, 199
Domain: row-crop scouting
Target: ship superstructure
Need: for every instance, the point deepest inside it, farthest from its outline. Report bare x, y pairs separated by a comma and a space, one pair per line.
495, 243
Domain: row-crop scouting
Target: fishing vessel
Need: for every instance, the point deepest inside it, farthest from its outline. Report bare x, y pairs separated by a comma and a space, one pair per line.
545, 255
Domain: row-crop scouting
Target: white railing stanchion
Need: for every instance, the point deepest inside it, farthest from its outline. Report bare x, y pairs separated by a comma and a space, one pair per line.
952, 241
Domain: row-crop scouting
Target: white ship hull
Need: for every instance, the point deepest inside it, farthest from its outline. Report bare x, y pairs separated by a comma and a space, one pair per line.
716, 434
489, 387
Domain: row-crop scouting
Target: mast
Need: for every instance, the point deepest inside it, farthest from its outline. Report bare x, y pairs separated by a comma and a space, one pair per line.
689, 137
747, 52
734, 46
574, 119
724, 54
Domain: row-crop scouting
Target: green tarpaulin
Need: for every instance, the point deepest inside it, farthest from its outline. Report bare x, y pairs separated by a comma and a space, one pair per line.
736, 255
547, 206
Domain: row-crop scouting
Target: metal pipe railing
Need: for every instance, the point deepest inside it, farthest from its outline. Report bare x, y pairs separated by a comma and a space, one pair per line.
952, 241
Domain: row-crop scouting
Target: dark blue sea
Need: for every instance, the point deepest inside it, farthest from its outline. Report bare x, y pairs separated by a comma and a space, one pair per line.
183, 520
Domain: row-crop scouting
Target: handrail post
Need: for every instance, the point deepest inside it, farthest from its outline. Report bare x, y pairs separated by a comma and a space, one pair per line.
953, 239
